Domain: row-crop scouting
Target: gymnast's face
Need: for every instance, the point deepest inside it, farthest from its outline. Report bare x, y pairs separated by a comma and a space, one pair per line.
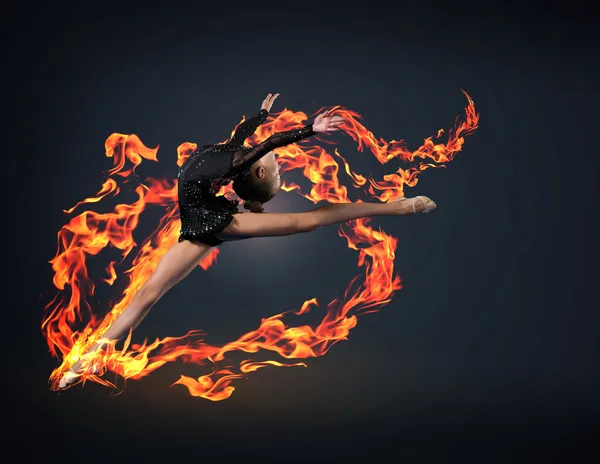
267, 170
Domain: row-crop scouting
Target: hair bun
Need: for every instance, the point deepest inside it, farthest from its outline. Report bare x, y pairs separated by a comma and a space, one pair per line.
254, 206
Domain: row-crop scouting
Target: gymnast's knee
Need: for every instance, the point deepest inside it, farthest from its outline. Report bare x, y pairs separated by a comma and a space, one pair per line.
309, 223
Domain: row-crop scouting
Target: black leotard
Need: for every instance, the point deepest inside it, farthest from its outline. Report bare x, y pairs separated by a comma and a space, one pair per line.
207, 169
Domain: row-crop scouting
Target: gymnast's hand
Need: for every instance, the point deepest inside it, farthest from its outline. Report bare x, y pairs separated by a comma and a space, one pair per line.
325, 124
268, 101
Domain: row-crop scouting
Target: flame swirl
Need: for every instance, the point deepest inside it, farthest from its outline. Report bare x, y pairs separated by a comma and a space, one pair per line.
70, 327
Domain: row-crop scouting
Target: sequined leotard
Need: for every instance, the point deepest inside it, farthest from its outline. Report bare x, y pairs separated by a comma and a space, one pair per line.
203, 214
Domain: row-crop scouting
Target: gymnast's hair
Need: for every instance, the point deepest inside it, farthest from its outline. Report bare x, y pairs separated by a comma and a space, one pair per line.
253, 191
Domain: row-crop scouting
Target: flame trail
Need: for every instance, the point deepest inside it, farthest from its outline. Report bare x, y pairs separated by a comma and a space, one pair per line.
71, 328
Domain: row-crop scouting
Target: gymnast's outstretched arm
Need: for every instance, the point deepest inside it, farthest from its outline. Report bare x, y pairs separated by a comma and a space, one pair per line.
247, 159
324, 123
248, 128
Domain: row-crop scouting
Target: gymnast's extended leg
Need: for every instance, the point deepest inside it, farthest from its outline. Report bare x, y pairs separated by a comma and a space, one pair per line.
248, 225
174, 266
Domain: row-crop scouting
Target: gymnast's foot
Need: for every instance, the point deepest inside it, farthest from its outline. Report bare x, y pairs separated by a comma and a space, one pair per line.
420, 204
68, 379
72, 376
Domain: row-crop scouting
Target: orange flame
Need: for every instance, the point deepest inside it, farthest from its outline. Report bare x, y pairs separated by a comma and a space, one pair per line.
71, 328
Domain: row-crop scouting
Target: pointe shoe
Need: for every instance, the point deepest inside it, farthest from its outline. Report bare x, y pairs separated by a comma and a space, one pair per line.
71, 377
423, 204
67, 379
420, 204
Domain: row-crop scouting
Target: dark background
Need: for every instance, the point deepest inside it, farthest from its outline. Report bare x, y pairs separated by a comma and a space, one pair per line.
489, 352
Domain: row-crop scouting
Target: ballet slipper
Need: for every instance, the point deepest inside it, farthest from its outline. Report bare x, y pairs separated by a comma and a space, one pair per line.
70, 377
67, 379
428, 203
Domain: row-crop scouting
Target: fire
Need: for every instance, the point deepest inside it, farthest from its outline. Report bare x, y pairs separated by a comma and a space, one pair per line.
71, 327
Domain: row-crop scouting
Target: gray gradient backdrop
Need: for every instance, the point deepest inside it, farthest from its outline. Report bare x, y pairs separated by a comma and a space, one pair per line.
490, 349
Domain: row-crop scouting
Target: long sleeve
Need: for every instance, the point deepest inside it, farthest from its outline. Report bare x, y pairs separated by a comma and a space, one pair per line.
243, 160
247, 128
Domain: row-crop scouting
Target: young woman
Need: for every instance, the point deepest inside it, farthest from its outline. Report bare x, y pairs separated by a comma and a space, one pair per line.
208, 220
